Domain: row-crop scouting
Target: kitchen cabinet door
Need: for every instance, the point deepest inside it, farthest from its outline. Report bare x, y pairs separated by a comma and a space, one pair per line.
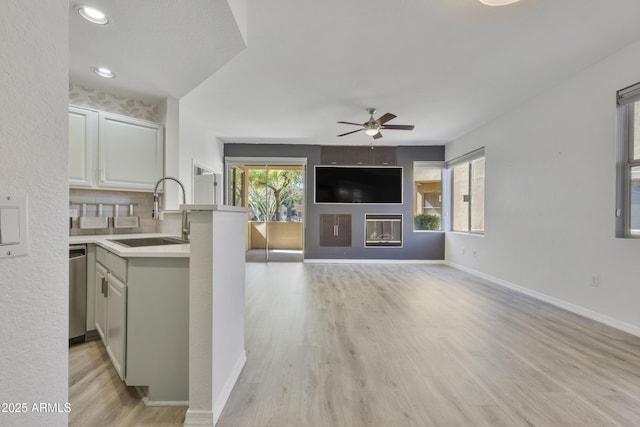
101, 301
83, 137
131, 153
117, 323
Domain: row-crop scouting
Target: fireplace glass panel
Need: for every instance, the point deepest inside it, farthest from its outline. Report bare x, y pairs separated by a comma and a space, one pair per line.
383, 230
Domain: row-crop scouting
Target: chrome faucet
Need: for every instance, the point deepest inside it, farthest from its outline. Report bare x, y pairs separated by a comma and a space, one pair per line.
156, 210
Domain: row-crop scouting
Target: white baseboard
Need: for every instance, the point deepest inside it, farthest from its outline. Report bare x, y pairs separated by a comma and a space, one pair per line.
372, 261
601, 318
219, 403
198, 418
148, 402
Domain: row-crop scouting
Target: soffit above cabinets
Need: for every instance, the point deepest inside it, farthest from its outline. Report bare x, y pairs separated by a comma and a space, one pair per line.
157, 49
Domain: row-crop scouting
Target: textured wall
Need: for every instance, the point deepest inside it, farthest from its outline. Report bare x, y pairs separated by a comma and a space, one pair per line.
97, 99
34, 58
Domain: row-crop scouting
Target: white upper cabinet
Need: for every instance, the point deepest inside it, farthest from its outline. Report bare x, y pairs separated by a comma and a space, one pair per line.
83, 137
131, 152
110, 151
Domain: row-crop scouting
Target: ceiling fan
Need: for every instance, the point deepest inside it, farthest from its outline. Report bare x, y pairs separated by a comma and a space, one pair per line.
372, 126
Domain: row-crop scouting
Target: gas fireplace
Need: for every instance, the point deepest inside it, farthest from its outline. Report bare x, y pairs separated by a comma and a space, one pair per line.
383, 230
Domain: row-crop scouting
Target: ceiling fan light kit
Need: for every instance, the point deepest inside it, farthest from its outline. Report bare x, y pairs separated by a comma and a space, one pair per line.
373, 126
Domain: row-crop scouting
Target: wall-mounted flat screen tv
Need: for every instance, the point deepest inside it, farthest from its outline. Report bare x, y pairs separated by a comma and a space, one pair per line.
358, 184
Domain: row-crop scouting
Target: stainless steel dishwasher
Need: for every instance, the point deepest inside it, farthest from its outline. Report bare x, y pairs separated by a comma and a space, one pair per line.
77, 293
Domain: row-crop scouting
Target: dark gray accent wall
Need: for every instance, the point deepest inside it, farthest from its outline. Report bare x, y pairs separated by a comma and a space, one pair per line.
416, 245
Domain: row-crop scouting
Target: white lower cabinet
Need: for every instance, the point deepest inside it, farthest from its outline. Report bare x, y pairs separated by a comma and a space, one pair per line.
142, 316
117, 319
101, 301
111, 307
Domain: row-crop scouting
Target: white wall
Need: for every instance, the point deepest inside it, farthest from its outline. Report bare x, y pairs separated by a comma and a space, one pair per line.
550, 197
170, 116
34, 58
239, 10
198, 143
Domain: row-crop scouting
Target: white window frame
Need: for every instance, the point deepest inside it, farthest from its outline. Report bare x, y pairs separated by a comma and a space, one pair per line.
432, 164
626, 99
448, 189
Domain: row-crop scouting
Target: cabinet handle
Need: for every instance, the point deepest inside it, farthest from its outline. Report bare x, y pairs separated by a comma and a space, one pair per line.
335, 230
104, 287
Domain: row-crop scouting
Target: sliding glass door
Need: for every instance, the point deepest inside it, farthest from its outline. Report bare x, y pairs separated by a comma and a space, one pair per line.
275, 195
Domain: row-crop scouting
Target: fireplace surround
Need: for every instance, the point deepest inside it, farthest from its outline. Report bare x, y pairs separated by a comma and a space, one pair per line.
383, 230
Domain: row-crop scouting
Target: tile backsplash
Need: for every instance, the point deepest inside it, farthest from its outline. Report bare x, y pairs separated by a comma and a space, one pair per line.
142, 207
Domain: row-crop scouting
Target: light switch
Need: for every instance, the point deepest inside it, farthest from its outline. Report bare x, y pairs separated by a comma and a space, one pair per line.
13, 226
9, 226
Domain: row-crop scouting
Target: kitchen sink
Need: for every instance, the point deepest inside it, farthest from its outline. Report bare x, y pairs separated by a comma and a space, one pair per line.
150, 241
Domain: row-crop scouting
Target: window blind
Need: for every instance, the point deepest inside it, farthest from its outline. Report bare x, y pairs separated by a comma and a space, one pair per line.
629, 94
476, 154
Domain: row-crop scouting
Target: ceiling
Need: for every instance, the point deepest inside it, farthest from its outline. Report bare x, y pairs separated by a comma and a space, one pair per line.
157, 48
445, 66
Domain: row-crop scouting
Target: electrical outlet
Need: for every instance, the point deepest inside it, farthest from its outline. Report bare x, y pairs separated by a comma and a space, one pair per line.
595, 281
464, 251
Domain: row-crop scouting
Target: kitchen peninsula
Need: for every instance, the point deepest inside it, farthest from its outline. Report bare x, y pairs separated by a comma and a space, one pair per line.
182, 327
216, 305
138, 303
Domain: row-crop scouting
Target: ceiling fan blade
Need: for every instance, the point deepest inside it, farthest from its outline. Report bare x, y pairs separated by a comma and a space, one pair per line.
377, 135
398, 127
386, 117
350, 123
349, 133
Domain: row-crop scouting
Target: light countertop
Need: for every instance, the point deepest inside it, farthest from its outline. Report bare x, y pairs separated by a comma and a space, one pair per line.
104, 240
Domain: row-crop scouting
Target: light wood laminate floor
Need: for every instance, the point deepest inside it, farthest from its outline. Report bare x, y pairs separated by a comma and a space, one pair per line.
349, 345
99, 398
422, 345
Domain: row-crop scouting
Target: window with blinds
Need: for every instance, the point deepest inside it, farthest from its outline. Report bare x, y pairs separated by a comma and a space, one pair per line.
467, 192
628, 162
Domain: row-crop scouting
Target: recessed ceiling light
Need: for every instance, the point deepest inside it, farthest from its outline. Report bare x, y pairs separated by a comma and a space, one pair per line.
498, 2
104, 72
93, 15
